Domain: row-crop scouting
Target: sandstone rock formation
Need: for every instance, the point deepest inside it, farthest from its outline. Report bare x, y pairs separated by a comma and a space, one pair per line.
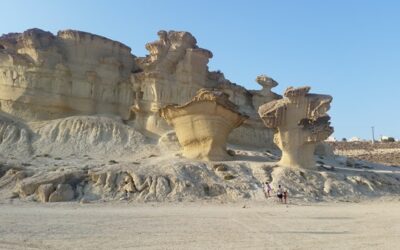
172, 74
14, 135
300, 121
63, 192
43, 192
175, 69
86, 135
45, 76
71, 105
176, 179
265, 94
203, 124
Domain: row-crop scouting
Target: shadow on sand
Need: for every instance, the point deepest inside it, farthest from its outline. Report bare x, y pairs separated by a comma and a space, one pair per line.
254, 158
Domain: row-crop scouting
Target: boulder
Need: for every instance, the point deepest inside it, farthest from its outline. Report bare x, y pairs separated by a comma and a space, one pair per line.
43, 192
64, 192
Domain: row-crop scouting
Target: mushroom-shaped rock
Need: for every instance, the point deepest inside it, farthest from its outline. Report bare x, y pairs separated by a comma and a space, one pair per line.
266, 82
203, 124
300, 122
265, 94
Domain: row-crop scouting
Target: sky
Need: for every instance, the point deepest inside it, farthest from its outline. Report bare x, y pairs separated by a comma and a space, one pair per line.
349, 49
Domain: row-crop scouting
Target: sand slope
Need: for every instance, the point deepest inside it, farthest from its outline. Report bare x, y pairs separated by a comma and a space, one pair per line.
99, 158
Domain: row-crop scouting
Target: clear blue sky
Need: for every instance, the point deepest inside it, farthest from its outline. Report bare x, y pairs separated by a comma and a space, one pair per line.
347, 48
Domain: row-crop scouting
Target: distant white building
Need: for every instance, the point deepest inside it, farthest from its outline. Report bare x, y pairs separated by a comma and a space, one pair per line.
387, 138
353, 139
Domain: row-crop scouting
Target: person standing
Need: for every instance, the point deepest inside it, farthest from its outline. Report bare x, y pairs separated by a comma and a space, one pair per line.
279, 193
285, 195
267, 189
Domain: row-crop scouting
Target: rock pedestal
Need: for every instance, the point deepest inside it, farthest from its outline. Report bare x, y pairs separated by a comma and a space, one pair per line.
265, 94
203, 124
300, 122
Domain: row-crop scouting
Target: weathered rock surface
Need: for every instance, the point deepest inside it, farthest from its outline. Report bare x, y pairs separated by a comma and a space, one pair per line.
9, 176
86, 135
265, 94
86, 101
64, 192
30, 185
176, 179
203, 124
45, 76
44, 191
300, 121
169, 141
14, 135
173, 73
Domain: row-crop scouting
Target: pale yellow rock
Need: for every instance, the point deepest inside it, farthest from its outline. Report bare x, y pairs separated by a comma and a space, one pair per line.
128, 185
29, 186
63, 192
44, 191
45, 76
265, 94
203, 124
300, 122
173, 73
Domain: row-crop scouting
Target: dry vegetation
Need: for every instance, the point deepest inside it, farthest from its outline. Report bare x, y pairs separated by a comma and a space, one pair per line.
387, 153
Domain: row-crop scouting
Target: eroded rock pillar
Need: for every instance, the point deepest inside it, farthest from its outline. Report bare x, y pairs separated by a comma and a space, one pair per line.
300, 122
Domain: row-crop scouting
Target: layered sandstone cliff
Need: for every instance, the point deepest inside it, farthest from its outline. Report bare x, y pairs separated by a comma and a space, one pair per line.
172, 74
45, 76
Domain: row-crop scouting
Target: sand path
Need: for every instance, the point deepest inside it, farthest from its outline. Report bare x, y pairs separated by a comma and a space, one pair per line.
366, 225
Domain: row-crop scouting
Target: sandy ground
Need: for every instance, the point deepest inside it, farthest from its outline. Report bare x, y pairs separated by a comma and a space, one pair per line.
266, 225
